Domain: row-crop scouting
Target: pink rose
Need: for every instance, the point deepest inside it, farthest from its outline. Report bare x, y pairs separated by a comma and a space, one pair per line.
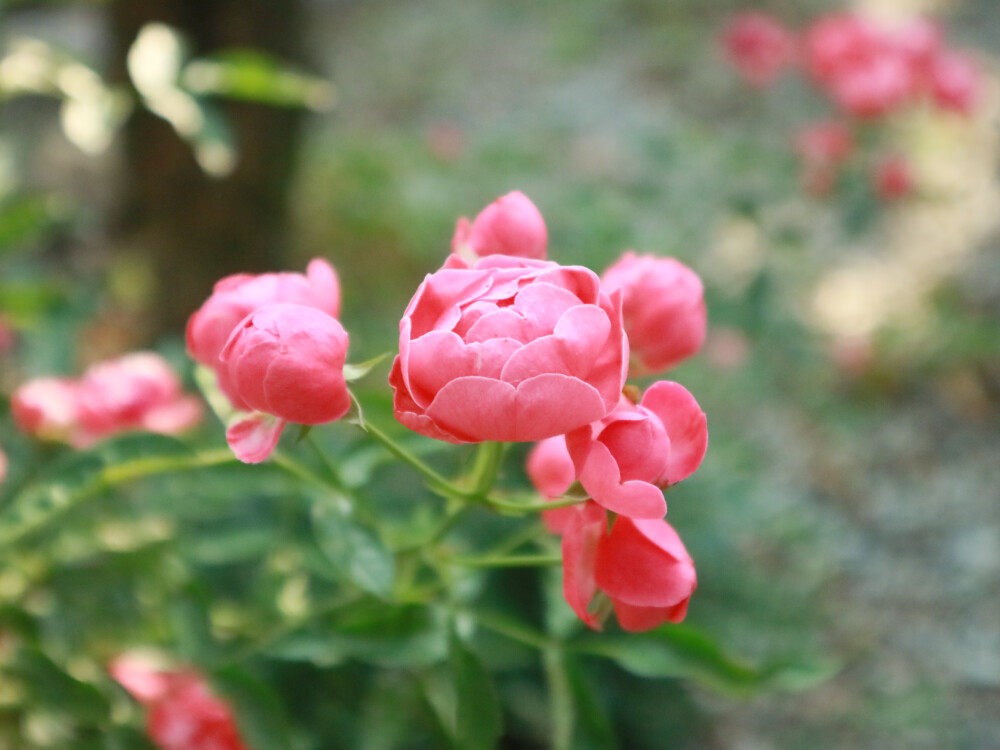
955, 82
623, 460
663, 307
551, 471
510, 349
235, 297
183, 713
510, 225
837, 41
758, 46
641, 566
286, 361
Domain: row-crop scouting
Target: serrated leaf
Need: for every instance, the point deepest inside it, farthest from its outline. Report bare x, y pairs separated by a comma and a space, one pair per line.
355, 551
478, 719
684, 651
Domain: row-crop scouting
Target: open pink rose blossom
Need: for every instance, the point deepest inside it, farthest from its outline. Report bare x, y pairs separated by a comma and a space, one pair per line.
137, 391
183, 712
623, 460
510, 225
551, 471
285, 361
641, 565
235, 297
663, 307
511, 349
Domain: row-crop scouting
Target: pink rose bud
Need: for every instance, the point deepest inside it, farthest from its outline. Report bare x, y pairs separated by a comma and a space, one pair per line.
288, 360
138, 391
235, 297
510, 225
758, 46
663, 307
47, 408
183, 713
641, 566
551, 471
892, 178
623, 460
510, 350
955, 82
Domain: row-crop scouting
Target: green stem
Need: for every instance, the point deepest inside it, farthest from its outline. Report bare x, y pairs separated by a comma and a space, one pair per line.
436, 482
487, 466
506, 506
512, 629
506, 561
332, 470
56, 500
293, 467
560, 698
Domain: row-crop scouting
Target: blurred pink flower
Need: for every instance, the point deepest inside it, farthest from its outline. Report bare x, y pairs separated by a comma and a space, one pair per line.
892, 178
758, 46
137, 391
663, 306
183, 713
955, 82
822, 148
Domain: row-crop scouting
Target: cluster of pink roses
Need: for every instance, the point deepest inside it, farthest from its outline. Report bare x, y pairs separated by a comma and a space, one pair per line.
139, 391
182, 711
867, 70
501, 344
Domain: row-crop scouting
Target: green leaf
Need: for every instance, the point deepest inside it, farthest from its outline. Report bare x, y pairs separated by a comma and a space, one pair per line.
254, 76
126, 738
358, 371
593, 730
356, 553
24, 218
686, 652
260, 714
372, 632
49, 685
192, 629
478, 719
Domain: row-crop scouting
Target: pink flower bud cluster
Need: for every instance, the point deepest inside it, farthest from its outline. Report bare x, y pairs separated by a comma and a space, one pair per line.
501, 344
138, 391
182, 712
866, 70
277, 350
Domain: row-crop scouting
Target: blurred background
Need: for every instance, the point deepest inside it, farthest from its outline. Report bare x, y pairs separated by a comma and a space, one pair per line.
849, 506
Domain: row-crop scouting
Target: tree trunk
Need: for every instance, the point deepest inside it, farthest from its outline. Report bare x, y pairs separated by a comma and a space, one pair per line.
193, 228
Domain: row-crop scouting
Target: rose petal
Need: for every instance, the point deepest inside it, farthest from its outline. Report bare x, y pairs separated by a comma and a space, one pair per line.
601, 479
686, 426
637, 619
254, 437
579, 548
572, 348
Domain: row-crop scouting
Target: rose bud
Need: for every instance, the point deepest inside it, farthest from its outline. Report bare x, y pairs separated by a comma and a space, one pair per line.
641, 566
511, 349
235, 297
288, 360
623, 460
510, 225
663, 308
551, 471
